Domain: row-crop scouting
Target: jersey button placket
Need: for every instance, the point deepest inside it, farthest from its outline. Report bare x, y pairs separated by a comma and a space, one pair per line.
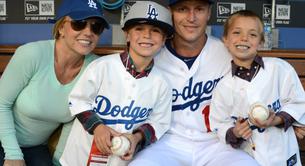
128, 88
132, 89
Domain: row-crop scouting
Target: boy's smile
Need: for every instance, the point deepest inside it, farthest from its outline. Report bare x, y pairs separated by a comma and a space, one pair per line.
243, 40
144, 42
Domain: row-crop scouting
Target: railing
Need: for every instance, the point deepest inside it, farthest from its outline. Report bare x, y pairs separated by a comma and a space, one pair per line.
295, 57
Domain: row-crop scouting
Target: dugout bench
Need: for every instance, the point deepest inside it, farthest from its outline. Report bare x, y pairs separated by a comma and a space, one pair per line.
295, 57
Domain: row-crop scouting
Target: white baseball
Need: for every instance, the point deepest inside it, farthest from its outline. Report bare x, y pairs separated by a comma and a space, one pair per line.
120, 145
260, 112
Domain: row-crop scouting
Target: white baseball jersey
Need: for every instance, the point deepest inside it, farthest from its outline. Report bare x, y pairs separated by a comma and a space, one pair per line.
277, 86
192, 88
122, 102
189, 142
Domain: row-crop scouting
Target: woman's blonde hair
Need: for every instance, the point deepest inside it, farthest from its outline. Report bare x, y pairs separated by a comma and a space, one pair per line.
243, 13
57, 26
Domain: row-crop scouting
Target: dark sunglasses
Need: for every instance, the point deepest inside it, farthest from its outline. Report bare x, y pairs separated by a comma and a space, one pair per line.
96, 27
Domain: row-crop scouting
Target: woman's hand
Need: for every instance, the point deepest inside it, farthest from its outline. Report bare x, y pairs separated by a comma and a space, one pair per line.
14, 163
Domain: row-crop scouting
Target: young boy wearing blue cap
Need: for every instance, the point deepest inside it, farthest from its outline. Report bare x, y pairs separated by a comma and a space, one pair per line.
35, 85
122, 94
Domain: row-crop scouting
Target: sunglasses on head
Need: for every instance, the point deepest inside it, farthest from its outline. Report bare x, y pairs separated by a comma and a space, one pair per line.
96, 27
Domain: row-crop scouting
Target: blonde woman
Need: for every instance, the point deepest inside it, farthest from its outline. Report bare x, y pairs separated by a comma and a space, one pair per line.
35, 85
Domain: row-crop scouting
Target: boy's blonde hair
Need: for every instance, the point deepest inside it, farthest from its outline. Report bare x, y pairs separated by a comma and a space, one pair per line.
243, 13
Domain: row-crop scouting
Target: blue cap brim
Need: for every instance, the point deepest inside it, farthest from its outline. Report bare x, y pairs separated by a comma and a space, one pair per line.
81, 15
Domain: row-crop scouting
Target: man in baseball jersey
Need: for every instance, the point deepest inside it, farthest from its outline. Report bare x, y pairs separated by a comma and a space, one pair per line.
122, 94
193, 63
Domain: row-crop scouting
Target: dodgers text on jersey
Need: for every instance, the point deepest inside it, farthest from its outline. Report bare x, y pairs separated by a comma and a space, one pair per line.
194, 95
130, 114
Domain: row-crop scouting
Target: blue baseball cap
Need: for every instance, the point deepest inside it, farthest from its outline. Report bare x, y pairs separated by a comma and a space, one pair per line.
171, 2
79, 10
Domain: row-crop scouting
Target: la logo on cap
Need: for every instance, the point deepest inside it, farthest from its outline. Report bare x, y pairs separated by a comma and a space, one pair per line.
152, 13
92, 4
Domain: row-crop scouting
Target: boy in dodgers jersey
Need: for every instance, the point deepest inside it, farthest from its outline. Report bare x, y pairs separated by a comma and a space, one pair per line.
122, 94
269, 81
193, 63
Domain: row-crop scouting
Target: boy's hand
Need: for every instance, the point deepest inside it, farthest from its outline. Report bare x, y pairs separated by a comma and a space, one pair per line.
242, 129
134, 140
299, 132
272, 120
102, 137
